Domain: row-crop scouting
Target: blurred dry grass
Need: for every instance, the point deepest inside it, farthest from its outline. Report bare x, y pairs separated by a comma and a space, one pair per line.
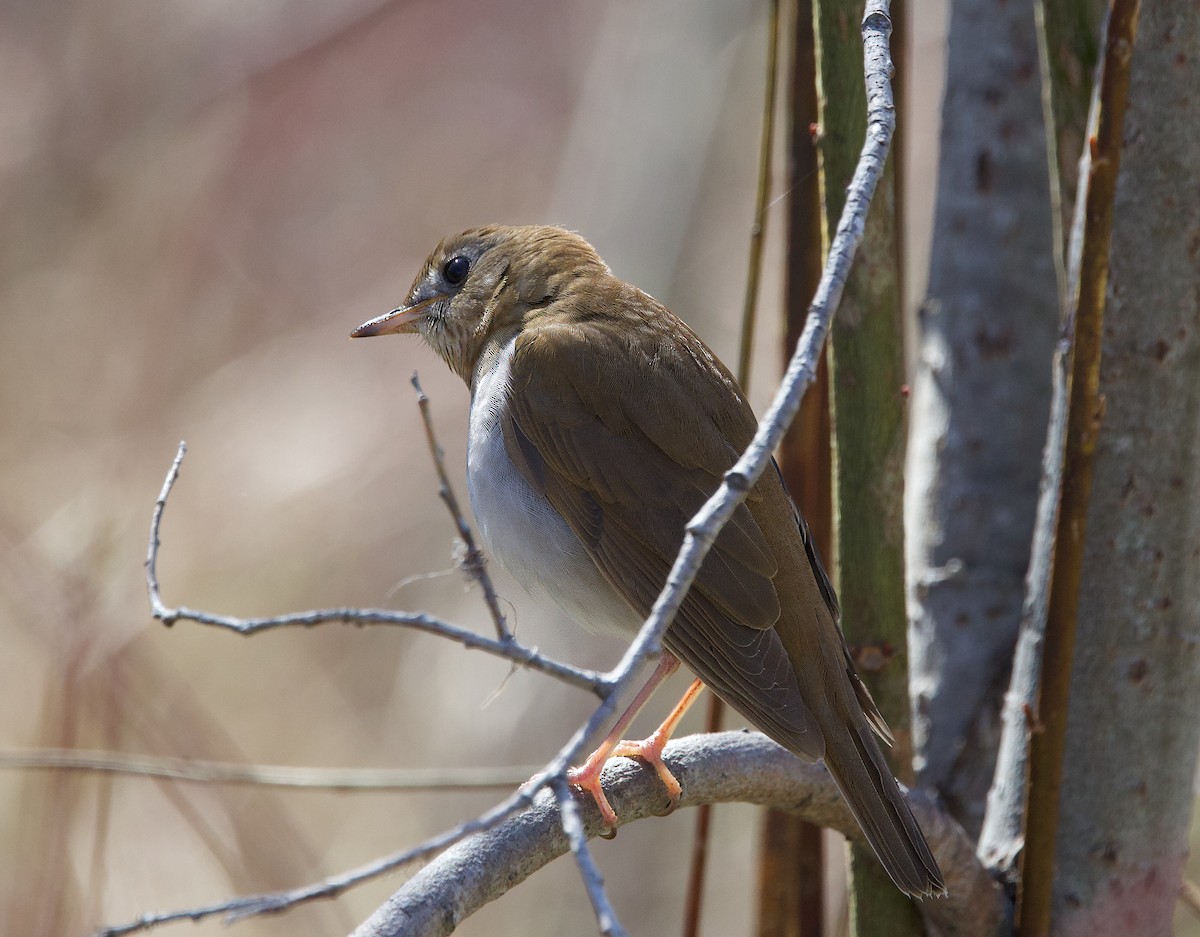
197, 202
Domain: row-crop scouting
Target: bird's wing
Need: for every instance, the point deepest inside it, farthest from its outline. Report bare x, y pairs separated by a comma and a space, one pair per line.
628, 469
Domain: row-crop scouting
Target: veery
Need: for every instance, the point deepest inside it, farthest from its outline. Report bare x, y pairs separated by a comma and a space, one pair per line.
600, 423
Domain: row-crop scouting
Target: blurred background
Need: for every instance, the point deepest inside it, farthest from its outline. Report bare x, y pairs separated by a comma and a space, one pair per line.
198, 201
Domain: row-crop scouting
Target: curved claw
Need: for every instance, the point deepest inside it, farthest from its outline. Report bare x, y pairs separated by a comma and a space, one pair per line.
672, 805
587, 779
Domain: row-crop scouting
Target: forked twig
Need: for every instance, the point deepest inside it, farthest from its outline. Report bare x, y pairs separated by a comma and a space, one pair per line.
507, 648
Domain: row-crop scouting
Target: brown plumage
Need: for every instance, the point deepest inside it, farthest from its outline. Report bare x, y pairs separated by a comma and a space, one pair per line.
600, 423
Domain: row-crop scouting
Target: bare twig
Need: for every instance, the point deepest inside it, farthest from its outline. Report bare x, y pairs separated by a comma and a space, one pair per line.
157, 608
221, 772
507, 648
758, 231
790, 892
251, 905
571, 822
473, 561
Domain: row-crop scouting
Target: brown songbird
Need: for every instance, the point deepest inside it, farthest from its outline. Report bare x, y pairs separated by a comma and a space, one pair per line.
600, 423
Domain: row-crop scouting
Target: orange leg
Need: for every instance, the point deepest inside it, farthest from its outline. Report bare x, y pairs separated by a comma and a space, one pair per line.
587, 776
650, 749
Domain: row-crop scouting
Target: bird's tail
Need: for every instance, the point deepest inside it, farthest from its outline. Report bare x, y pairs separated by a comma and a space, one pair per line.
857, 765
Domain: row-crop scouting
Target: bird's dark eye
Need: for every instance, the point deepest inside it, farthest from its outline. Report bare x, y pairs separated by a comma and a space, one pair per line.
454, 270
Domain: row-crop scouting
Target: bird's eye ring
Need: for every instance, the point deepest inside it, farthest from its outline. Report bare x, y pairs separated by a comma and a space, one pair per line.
454, 270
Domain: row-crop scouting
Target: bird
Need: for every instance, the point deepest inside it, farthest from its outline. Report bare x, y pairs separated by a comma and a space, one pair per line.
599, 424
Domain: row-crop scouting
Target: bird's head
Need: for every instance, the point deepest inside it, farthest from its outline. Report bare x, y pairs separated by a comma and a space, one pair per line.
484, 284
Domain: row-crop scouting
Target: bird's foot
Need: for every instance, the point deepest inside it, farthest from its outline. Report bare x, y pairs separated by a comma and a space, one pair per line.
650, 750
587, 778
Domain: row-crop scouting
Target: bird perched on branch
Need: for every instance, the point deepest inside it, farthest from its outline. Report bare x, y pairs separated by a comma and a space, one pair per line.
600, 423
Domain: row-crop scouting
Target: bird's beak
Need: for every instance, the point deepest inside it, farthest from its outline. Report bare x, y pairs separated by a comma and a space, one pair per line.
397, 321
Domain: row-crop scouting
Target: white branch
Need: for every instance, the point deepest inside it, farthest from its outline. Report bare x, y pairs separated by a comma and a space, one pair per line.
716, 768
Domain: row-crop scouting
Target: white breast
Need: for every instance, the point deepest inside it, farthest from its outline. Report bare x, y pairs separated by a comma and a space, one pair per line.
521, 529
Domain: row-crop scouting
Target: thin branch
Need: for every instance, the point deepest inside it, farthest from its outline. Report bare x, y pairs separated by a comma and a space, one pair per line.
1002, 837
473, 562
571, 823
790, 892
507, 648
1068, 53
238, 908
758, 231
722, 768
157, 608
589, 680
1088, 266
220, 772
1052, 583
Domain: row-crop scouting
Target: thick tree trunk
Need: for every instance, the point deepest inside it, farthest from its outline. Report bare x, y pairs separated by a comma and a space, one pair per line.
980, 397
1133, 731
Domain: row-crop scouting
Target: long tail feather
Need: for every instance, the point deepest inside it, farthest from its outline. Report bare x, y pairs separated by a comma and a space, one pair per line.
861, 772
